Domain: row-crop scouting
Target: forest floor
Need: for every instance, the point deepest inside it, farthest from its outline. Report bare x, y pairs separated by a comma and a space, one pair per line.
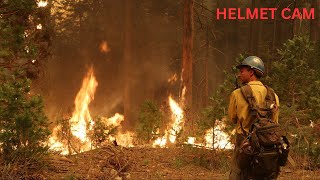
138, 163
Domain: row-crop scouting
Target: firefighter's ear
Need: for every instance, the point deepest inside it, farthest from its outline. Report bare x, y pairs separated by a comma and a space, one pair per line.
251, 71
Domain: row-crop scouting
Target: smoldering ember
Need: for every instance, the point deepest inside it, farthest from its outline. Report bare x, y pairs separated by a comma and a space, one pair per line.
263, 13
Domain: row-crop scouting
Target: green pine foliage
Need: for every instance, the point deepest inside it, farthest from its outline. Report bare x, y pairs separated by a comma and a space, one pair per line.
23, 124
296, 79
150, 119
14, 24
23, 47
22, 44
295, 76
102, 131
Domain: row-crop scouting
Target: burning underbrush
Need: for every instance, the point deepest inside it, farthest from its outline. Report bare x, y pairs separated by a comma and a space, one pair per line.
81, 132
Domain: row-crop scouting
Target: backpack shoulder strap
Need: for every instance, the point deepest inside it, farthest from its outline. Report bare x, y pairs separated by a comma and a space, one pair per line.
270, 100
248, 96
270, 94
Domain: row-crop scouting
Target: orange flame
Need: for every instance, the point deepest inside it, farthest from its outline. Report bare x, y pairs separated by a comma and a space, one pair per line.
104, 48
173, 78
81, 120
123, 139
81, 123
221, 139
175, 127
177, 116
55, 144
114, 120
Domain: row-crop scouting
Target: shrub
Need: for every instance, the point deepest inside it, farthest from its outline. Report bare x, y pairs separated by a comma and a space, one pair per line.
102, 131
150, 118
23, 125
295, 78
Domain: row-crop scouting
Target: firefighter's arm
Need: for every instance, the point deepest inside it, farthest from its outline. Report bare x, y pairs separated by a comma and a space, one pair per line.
232, 109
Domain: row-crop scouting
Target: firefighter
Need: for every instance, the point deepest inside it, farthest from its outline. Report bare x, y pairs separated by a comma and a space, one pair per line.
251, 70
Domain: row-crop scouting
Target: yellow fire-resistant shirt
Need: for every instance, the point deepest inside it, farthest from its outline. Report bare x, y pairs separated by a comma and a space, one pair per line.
239, 108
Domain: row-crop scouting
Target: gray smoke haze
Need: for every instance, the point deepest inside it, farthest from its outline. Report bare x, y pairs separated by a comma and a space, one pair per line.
156, 36
155, 44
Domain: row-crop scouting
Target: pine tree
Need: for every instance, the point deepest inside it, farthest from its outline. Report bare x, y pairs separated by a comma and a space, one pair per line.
23, 124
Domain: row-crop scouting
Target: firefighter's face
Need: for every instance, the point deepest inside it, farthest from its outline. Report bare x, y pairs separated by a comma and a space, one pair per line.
245, 74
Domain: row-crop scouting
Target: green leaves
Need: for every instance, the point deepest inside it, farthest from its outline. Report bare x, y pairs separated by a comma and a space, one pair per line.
294, 76
23, 124
150, 119
20, 40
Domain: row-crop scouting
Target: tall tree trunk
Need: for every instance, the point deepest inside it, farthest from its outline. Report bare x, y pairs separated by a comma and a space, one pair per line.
315, 23
186, 74
293, 27
254, 32
127, 63
251, 29
187, 44
273, 44
205, 68
284, 27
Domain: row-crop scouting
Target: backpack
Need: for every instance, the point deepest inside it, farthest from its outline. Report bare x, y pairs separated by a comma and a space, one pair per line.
265, 148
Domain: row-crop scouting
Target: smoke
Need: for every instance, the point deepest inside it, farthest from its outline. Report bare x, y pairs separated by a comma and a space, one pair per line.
99, 42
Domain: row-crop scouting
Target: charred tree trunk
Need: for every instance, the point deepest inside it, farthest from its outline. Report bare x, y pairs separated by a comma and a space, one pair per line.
315, 23
187, 44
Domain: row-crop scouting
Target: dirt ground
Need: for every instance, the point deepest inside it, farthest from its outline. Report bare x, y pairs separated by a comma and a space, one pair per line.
138, 163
